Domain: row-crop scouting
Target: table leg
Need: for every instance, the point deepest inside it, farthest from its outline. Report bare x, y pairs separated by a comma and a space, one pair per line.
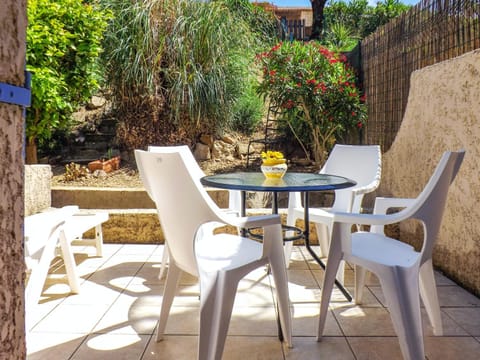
275, 203
243, 211
306, 234
275, 211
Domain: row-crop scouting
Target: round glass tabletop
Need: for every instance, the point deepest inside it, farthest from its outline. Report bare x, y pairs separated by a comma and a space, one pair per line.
291, 181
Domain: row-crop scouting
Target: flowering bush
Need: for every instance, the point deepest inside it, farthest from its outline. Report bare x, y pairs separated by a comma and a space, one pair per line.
315, 90
273, 158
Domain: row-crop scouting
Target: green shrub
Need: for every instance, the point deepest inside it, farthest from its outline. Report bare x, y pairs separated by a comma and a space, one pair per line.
247, 111
63, 43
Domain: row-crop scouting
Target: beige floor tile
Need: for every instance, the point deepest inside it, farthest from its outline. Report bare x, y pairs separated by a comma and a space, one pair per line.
172, 348
188, 295
450, 327
302, 277
452, 348
54, 292
297, 265
253, 321
467, 318
253, 348
375, 348
371, 278
138, 249
121, 296
187, 279
255, 289
79, 319
305, 322
297, 261
442, 280
112, 347
378, 293
35, 314
308, 348
111, 249
303, 287
92, 293
158, 250
369, 299
364, 321
456, 296
129, 316
183, 321
134, 261
61, 345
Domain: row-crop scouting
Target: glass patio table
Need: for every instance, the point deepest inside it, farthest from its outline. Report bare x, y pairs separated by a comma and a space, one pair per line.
291, 182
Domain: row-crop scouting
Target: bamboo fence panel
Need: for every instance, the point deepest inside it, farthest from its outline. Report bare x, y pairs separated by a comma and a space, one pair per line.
430, 32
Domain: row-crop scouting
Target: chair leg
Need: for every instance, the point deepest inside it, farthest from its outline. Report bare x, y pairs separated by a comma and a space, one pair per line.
323, 237
279, 274
69, 261
288, 246
360, 276
334, 258
171, 284
428, 292
36, 282
163, 266
217, 297
99, 240
401, 290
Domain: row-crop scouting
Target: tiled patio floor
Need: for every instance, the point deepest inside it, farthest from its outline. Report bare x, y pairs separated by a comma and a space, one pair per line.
115, 315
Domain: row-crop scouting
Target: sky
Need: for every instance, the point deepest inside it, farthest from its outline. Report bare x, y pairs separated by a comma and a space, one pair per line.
308, 3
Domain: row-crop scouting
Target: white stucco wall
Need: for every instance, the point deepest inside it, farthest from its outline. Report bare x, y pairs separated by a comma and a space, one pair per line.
443, 113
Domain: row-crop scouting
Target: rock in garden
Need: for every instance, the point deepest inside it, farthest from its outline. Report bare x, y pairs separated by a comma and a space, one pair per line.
202, 152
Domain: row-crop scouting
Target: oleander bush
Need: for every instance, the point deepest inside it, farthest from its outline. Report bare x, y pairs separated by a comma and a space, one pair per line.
315, 91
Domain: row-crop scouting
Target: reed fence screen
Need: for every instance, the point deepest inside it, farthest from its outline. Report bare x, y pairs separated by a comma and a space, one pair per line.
432, 31
293, 29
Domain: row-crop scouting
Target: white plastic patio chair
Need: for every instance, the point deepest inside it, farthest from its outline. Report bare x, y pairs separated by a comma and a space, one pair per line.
234, 200
404, 273
219, 260
361, 163
44, 232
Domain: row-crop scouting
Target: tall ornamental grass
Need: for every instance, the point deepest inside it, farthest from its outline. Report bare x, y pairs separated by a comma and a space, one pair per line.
177, 68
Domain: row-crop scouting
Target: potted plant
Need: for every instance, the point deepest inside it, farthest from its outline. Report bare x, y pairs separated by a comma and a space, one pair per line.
315, 91
274, 164
108, 164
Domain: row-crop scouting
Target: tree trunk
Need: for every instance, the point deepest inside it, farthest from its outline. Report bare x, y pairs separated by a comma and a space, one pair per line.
31, 152
13, 20
317, 26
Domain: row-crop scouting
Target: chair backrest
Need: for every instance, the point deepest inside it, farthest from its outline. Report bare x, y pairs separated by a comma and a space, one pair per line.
182, 203
193, 166
430, 204
362, 163
195, 170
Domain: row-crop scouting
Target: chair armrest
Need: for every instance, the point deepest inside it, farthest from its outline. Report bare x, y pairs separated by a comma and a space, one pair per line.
382, 204
368, 219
